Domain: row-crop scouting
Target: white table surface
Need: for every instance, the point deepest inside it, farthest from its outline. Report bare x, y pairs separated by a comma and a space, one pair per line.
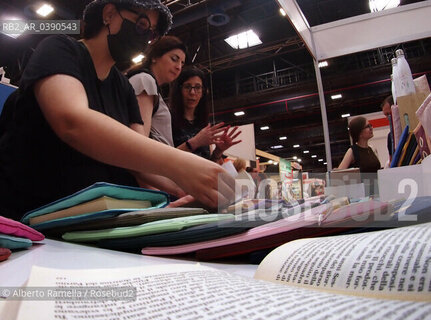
63, 255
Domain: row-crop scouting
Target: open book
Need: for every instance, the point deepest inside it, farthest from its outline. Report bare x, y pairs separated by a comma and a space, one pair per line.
377, 275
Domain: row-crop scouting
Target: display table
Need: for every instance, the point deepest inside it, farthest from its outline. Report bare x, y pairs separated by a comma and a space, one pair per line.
62, 255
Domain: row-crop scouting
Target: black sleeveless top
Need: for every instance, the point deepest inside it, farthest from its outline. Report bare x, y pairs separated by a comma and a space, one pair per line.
365, 159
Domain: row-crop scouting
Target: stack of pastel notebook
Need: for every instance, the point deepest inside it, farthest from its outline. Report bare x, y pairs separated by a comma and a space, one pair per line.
137, 220
14, 236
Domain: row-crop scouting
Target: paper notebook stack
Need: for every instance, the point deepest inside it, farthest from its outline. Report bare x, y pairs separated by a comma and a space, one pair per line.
96, 202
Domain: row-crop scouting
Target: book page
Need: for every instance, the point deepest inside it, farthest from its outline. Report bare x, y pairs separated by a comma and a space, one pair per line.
393, 264
192, 292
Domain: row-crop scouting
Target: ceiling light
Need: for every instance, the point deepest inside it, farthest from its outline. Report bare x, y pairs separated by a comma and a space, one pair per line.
379, 5
279, 146
239, 113
306, 151
295, 157
320, 160
257, 158
283, 138
270, 161
282, 12
336, 96
314, 156
138, 58
345, 115
296, 145
323, 64
264, 128
275, 163
325, 163
299, 160
243, 40
45, 10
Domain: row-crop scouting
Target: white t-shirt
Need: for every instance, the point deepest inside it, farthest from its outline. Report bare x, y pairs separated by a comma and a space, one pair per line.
161, 127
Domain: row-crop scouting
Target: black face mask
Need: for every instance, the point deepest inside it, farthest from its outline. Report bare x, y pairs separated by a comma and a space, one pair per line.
127, 43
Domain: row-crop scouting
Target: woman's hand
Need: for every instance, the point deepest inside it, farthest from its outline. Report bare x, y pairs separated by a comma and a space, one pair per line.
206, 181
226, 140
207, 135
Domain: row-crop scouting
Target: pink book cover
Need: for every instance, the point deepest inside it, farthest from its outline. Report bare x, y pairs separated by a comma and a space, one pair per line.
321, 215
421, 138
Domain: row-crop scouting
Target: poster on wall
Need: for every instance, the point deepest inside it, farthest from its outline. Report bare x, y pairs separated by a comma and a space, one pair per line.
246, 149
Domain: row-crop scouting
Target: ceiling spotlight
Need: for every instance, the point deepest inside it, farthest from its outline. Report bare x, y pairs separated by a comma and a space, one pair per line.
279, 146
295, 157
239, 113
275, 163
379, 5
325, 163
138, 58
345, 115
306, 151
323, 64
282, 138
282, 12
243, 40
296, 145
270, 161
264, 128
314, 156
336, 96
45, 10
320, 160
299, 160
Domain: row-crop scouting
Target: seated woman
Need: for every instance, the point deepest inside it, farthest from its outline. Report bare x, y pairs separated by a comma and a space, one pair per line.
191, 130
360, 154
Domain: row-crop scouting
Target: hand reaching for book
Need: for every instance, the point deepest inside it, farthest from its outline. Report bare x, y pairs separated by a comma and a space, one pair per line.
206, 181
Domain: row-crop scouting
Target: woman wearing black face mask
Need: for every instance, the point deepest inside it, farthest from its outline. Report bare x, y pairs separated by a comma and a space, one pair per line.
75, 116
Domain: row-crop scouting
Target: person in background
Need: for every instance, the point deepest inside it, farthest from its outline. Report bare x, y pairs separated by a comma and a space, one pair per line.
360, 154
386, 109
163, 64
191, 130
76, 117
244, 179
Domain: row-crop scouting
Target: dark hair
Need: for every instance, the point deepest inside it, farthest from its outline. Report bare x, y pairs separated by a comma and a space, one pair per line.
162, 46
93, 20
389, 100
156, 50
356, 125
176, 98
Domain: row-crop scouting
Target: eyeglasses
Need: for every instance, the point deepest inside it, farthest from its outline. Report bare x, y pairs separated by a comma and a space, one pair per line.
189, 87
368, 126
143, 25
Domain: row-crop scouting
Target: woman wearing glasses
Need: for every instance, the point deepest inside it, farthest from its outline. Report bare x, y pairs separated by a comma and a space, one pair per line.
191, 130
74, 119
360, 155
